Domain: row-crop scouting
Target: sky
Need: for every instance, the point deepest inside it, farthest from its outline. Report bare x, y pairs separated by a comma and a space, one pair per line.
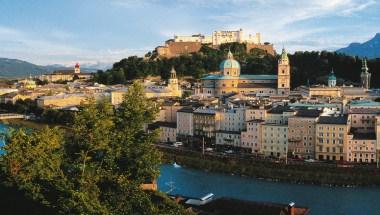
100, 32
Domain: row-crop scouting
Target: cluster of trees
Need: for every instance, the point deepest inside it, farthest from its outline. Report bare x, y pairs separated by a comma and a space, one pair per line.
196, 65
29, 106
305, 66
95, 168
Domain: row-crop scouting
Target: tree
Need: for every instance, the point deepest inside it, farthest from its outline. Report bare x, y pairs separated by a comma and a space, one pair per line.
95, 167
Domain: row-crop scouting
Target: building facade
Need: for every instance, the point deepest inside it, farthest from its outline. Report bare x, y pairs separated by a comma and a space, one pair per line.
185, 122
302, 133
331, 134
232, 81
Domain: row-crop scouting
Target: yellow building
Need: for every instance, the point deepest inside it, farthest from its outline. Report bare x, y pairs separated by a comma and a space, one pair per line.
173, 89
28, 83
331, 134
361, 148
61, 101
66, 75
231, 81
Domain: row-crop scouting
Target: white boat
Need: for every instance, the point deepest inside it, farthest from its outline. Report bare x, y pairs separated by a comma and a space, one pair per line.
176, 165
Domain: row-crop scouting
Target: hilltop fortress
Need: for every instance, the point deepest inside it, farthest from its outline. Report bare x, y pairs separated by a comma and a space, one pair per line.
182, 45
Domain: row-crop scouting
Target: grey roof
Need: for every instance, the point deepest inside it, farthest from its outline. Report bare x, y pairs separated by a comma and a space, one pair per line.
257, 85
312, 113
186, 110
280, 109
337, 120
364, 111
163, 124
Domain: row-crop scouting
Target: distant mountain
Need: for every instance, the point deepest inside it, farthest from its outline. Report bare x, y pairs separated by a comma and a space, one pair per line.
18, 68
13, 68
369, 49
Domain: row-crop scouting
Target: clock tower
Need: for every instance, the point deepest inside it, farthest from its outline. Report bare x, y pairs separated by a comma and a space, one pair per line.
283, 78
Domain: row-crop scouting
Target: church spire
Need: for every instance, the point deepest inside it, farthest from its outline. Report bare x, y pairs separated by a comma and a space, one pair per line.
173, 73
364, 66
284, 55
365, 76
230, 55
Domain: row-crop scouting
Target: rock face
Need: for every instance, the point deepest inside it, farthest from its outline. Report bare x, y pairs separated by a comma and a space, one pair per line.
369, 49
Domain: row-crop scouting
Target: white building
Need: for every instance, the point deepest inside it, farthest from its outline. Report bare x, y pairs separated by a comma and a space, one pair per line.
232, 119
220, 37
275, 140
228, 138
251, 138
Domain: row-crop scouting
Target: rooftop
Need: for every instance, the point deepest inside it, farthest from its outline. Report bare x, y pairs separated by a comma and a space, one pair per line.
363, 136
162, 124
257, 85
280, 109
364, 103
364, 111
311, 113
186, 110
227, 77
335, 120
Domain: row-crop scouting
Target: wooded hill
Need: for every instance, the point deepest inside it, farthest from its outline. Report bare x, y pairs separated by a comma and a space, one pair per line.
305, 66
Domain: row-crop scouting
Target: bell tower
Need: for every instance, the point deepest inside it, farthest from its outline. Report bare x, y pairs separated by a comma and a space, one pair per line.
365, 76
283, 78
173, 83
77, 68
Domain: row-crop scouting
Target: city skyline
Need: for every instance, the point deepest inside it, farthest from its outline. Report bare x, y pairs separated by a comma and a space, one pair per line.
102, 32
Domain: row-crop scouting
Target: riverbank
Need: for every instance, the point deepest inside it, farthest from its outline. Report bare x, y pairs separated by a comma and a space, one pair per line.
300, 174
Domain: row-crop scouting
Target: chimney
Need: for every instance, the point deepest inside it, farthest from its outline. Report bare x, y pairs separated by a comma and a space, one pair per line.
291, 209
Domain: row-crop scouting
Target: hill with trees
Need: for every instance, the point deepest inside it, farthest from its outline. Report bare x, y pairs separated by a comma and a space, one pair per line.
305, 66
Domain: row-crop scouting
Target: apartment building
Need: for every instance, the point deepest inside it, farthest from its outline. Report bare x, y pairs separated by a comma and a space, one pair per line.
331, 134
302, 133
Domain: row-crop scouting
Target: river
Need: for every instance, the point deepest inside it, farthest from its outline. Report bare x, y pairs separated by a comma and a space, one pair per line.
322, 200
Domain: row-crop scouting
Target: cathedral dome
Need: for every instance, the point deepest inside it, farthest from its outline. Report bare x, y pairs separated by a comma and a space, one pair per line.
230, 66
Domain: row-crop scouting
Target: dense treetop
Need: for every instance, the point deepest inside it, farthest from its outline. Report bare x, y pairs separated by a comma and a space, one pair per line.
313, 66
95, 167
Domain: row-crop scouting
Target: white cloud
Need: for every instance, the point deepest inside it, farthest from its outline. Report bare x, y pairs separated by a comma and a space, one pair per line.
18, 44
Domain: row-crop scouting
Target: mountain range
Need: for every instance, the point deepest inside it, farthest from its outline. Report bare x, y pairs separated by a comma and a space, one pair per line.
14, 68
369, 49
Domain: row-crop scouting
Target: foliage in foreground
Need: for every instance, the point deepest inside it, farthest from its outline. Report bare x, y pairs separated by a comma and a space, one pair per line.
98, 169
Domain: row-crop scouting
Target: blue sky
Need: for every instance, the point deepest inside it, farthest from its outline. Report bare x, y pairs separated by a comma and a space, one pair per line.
105, 31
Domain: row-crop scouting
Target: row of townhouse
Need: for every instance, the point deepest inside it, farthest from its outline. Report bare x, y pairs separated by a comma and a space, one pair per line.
285, 131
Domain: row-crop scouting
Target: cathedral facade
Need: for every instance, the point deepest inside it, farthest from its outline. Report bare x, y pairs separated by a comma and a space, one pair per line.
231, 81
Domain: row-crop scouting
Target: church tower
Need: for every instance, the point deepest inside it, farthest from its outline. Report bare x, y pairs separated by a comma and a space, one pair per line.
331, 79
173, 83
77, 68
365, 76
283, 79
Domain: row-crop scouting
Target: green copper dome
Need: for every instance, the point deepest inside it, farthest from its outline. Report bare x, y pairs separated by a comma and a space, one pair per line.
229, 63
332, 76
